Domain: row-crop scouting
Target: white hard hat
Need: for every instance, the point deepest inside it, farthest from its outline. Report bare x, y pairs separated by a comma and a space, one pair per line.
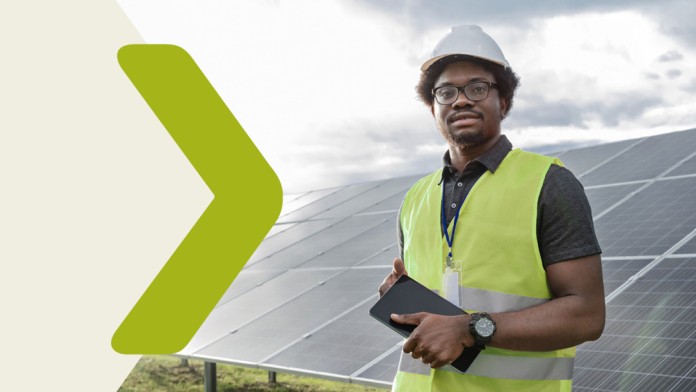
467, 40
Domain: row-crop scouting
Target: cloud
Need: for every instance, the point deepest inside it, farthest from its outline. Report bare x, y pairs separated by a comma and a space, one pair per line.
584, 76
360, 150
539, 112
673, 73
676, 19
423, 14
672, 55
603, 112
325, 89
690, 88
596, 71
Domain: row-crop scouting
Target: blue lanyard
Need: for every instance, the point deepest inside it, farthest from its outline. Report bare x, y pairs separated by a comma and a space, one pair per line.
449, 238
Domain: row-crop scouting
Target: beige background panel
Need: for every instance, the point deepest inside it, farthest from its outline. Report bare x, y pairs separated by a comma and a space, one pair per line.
95, 195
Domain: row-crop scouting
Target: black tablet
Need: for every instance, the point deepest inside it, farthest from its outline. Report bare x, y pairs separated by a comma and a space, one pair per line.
408, 296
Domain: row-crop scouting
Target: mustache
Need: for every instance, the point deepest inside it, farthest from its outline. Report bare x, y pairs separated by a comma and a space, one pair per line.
454, 115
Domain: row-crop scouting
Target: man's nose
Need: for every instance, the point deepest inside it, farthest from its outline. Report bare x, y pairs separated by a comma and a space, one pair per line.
462, 100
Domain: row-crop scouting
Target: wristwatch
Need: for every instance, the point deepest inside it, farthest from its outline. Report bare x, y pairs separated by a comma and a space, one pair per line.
482, 328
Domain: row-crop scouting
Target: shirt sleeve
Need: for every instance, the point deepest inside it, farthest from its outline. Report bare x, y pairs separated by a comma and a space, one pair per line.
400, 233
565, 229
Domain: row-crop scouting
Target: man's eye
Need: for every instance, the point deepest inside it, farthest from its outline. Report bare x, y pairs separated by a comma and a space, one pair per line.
446, 93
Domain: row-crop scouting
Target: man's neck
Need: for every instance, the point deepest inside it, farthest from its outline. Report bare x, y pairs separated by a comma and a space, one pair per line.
460, 156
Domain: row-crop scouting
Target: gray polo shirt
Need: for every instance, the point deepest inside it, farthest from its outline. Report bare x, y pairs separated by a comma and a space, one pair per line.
565, 229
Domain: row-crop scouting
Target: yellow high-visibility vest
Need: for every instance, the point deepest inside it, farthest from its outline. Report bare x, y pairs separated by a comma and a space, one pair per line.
496, 242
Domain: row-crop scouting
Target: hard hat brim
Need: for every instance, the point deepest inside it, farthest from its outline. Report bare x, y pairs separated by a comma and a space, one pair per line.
433, 60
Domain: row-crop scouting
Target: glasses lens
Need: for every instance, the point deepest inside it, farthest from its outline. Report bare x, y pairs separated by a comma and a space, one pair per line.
446, 95
476, 91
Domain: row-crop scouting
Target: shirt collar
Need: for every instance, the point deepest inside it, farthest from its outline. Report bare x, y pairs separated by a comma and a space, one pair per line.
490, 159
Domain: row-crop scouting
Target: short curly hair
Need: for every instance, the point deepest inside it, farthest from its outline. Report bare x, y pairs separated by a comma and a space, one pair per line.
506, 80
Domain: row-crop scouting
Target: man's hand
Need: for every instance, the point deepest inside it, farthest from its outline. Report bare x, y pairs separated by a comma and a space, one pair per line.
437, 340
398, 270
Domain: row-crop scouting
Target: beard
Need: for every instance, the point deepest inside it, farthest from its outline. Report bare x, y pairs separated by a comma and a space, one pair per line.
464, 140
467, 140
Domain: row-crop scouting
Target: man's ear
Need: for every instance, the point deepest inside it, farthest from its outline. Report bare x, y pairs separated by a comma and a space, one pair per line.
503, 107
432, 109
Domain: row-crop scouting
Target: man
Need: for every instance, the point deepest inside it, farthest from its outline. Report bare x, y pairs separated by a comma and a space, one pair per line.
505, 234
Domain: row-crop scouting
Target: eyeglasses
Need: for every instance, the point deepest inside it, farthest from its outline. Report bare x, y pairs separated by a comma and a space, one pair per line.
474, 91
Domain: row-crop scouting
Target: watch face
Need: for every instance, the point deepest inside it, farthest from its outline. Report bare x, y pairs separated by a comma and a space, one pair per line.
484, 327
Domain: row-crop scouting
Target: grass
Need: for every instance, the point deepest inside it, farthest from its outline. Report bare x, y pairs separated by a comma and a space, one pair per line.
168, 374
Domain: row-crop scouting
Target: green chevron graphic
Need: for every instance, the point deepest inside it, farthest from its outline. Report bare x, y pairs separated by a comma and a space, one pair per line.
247, 202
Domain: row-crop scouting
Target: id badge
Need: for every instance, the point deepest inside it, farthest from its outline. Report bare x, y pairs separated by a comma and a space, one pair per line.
450, 282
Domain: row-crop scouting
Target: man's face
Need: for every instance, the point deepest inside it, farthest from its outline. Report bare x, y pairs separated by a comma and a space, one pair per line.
467, 123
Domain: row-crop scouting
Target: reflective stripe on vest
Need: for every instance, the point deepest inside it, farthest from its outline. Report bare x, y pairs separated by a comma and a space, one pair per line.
501, 366
495, 302
522, 368
501, 271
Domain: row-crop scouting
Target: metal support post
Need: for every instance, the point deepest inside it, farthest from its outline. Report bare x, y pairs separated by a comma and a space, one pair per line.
271, 377
210, 377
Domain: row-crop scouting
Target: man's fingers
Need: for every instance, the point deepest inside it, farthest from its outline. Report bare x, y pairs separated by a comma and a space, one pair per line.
411, 319
437, 363
409, 345
387, 283
384, 287
399, 268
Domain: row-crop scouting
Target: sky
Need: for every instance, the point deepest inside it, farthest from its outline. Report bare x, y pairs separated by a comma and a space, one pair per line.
325, 89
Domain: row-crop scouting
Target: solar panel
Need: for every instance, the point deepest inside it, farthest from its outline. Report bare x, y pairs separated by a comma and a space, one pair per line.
603, 198
298, 232
581, 160
688, 248
385, 257
359, 248
367, 199
245, 281
649, 337
274, 331
328, 202
342, 347
617, 272
278, 227
384, 369
652, 221
306, 198
279, 315
249, 306
318, 243
291, 197
391, 204
645, 160
687, 167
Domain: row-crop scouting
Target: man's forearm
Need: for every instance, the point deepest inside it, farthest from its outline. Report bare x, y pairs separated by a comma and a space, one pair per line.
575, 314
560, 323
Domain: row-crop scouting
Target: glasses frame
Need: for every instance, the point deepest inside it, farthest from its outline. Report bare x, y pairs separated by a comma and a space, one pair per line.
461, 89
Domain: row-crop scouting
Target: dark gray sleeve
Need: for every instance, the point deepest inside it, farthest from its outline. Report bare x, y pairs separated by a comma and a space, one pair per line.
400, 233
565, 229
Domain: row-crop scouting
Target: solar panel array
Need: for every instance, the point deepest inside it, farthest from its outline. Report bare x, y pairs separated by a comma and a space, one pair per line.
301, 303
